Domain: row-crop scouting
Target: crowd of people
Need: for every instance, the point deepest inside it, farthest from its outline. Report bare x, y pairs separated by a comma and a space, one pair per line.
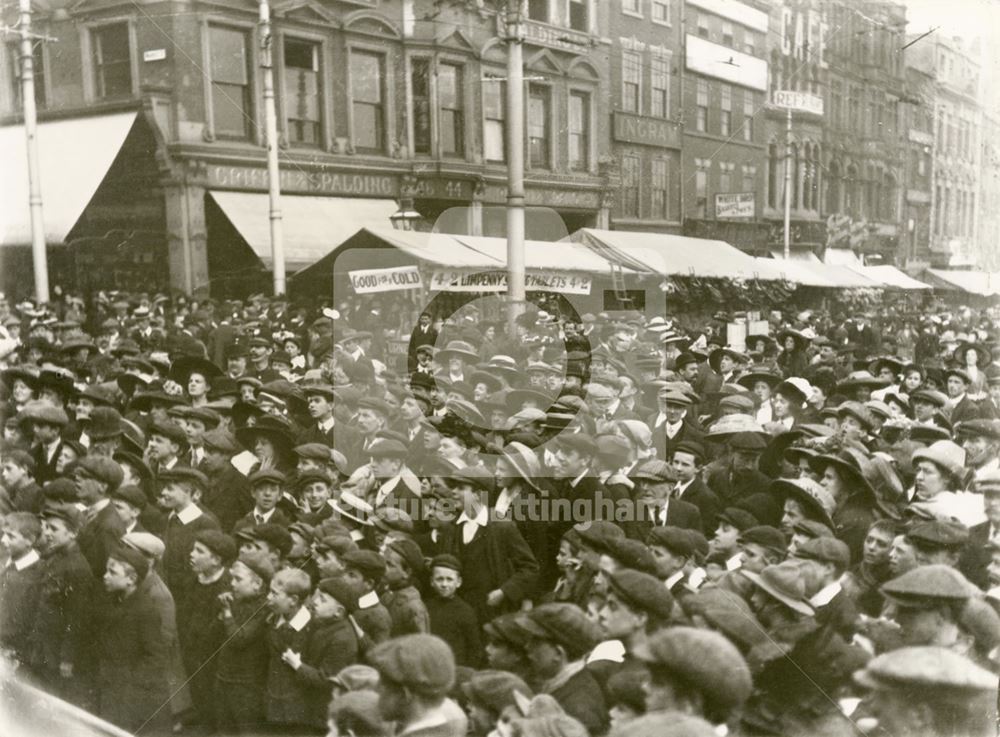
254, 516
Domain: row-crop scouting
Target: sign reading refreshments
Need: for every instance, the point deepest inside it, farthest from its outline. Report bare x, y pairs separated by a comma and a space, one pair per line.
646, 131
366, 281
802, 102
450, 280
739, 205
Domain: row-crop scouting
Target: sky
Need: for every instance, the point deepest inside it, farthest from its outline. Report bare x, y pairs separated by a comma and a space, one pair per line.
966, 18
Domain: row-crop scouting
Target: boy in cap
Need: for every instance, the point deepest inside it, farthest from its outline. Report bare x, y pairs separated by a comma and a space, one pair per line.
129, 501
227, 495
266, 488
242, 659
416, 673
200, 637
404, 567
363, 570
132, 650
58, 647
46, 422
266, 543
20, 579
331, 645
863, 581
286, 705
96, 478
181, 491
451, 618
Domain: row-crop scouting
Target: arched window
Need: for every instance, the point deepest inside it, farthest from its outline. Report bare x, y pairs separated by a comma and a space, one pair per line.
833, 185
796, 192
890, 194
852, 191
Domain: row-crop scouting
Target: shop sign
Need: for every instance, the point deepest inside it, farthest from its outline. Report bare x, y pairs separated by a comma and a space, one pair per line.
570, 198
555, 37
646, 131
450, 280
737, 205
366, 281
800, 102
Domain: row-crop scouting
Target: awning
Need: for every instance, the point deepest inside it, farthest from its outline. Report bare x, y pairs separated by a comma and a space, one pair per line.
442, 249
73, 157
980, 283
541, 255
796, 254
672, 255
818, 274
842, 257
312, 226
892, 277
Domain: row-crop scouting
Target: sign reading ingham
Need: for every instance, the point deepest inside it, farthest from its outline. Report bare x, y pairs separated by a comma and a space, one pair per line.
449, 280
366, 281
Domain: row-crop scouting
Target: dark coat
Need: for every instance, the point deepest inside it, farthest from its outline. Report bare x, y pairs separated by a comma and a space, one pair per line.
698, 494
247, 520
19, 593
330, 647
286, 699
28, 498
496, 558
376, 623
730, 488
976, 556
969, 409
132, 663
200, 637
178, 539
99, 537
680, 513
665, 446
241, 666
454, 621
45, 470
228, 496
581, 697
851, 522
407, 610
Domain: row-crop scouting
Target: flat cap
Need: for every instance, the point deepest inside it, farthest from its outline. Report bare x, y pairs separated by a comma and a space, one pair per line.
564, 624
765, 536
266, 475
747, 441
44, 412
184, 473
221, 441
314, 452
260, 566
741, 519
812, 529
132, 495
146, 543
580, 442
339, 544
375, 404
102, 469
597, 533
927, 587
674, 397
631, 554
276, 536
169, 430
825, 550
136, 560
370, 564
68, 513
936, 668
653, 470
341, 590
219, 543
703, 659
495, 689
446, 560
643, 592
939, 534
423, 663
410, 552
674, 539
388, 448
475, 476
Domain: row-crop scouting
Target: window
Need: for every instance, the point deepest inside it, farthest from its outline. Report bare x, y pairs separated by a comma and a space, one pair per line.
494, 135
661, 11
749, 45
725, 177
538, 10
631, 81
749, 178
772, 175
420, 92
38, 67
302, 96
539, 118
367, 100
659, 84
451, 122
701, 186
726, 119
630, 6
727, 33
579, 131
658, 186
579, 16
231, 100
702, 26
701, 111
795, 193
630, 186
748, 115
112, 60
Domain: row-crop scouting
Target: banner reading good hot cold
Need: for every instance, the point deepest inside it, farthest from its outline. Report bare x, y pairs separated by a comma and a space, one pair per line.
366, 281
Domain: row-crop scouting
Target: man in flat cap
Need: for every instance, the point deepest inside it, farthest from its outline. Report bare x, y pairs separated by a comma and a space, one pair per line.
981, 441
416, 673
655, 504
687, 461
672, 424
227, 493
927, 604
736, 475
928, 692
977, 554
47, 422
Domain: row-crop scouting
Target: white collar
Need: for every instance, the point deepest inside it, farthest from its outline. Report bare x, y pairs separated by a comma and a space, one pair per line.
479, 520
672, 581
263, 515
683, 486
189, 514
26, 560
611, 650
300, 620
735, 562
203, 579
825, 595
504, 500
368, 600
99, 505
579, 478
327, 425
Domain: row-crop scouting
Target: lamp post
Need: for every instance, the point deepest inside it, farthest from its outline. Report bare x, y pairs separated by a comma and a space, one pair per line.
793, 101
515, 164
271, 135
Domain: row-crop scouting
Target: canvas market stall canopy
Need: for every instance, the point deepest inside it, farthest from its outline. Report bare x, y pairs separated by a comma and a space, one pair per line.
893, 278
976, 283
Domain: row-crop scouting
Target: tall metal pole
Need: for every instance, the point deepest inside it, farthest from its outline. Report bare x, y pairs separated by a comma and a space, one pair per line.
788, 183
38, 255
515, 165
271, 134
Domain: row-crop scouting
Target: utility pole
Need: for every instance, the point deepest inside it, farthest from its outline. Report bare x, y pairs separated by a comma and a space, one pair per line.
515, 164
788, 183
271, 135
38, 256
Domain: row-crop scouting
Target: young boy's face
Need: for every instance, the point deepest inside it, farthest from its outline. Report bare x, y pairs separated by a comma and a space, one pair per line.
244, 583
16, 543
202, 559
280, 601
12, 474
445, 581
395, 570
266, 495
324, 607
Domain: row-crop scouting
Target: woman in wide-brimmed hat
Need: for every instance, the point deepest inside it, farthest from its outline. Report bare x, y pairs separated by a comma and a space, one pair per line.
793, 360
195, 374
762, 384
845, 476
973, 358
859, 385
803, 499
788, 404
22, 383
271, 440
